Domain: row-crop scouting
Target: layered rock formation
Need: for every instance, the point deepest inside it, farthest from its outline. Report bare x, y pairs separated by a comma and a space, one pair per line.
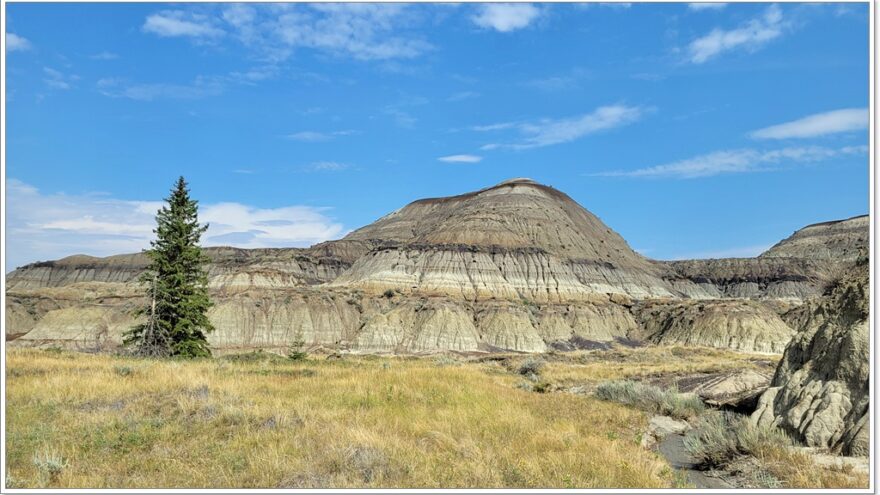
820, 392
518, 239
517, 266
733, 324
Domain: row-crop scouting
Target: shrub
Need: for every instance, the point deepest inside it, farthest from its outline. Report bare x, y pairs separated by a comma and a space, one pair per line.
650, 398
123, 370
720, 437
531, 366
444, 360
296, 352
388, 294
49, 465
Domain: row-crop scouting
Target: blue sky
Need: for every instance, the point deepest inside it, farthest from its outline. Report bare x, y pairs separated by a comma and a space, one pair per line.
693, 130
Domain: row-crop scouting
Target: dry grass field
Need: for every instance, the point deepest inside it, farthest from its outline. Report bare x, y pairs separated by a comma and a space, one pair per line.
260, 420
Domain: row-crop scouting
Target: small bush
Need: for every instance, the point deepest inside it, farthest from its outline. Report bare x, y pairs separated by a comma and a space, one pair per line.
49, 465
444, 360
531, 366
721, 437
369, 463
296, 351
123, 370
388, 294
541, 387
650, 398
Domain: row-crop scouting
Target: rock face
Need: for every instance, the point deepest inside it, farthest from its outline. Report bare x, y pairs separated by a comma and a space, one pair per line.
518, 239
763, 277
820, 392
516, 266
733, 324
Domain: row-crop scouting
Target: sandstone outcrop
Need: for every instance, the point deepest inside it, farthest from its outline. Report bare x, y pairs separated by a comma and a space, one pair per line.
820, 392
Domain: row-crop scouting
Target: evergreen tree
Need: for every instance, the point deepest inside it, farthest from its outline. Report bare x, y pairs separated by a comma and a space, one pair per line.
176, 283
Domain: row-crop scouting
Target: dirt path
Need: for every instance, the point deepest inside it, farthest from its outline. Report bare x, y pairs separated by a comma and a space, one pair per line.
673, 450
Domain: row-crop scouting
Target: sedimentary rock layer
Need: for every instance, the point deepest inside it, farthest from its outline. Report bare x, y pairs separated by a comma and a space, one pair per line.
345, 319
820, 392
733, 324
840, 240
516, 266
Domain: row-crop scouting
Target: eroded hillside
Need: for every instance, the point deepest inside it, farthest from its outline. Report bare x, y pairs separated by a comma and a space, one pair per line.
517, 266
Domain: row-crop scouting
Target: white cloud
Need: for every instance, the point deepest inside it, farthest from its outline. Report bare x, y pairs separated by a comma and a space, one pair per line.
820, 124
505, 17
327, 166
751, 36
50, 226
57, 80
547, 132
364, 31
460, 159
316, 137
200, 88
494, 127
16, 43
173, 23
740, 161
698, 6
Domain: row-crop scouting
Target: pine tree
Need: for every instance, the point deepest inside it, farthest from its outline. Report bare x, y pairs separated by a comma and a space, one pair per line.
176, 281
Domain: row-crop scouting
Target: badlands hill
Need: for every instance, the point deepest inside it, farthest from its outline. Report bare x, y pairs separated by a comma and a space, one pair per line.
516, 266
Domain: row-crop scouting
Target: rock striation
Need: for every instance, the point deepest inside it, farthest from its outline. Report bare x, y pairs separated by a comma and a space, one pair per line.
516, 266
820, 392
735, 324
840, 240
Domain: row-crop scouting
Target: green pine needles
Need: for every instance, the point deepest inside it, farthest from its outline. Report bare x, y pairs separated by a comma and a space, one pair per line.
176, 281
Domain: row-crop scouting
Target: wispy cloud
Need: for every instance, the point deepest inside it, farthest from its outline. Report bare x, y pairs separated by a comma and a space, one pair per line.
363, 31
739, 161
505, 17
317, 137
104, 56
751, 36
548, 132
327, 166
174, 23
820, 124
16, 43
399, 111
58, 80
200, 88
698, 6
570, 80
461, 159
49, 226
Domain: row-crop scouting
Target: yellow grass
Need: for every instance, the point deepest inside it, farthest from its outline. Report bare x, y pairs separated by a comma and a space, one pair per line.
86, 421
621, 363
121, 422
